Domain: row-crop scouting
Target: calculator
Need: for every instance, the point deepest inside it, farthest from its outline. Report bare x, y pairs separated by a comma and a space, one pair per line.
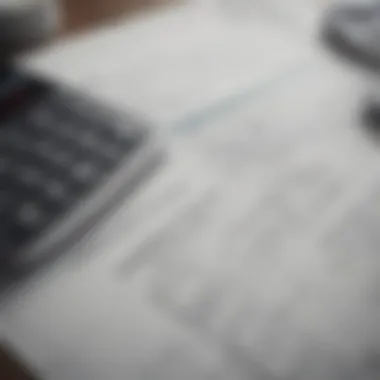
66, 160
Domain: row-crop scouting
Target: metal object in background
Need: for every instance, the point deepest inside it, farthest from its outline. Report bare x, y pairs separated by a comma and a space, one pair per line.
26, 23
352, 30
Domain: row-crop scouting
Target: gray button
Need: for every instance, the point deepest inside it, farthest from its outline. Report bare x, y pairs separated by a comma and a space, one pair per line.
85, 172
89, 140
68, 130
17, 139
42, 118
62, 158
4, 165
56, 191
30, 215
4, 201
45, 149
30, 176
111, 152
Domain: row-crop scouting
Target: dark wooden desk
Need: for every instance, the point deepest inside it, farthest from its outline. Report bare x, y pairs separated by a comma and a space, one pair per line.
81, 14
11, 369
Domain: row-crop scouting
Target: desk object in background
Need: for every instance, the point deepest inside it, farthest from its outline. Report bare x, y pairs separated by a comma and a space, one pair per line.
351, 31
82, 14
10, 367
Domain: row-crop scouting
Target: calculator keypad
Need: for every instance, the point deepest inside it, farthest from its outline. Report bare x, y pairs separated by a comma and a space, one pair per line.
50, 159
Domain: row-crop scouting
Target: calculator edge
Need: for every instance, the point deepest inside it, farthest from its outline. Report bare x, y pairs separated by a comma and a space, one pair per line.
76, 225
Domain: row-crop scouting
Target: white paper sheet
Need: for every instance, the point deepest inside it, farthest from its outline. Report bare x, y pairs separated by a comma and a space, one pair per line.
266, 265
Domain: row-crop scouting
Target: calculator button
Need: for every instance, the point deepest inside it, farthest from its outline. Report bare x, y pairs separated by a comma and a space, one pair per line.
67, 130
18, 235
4, 165
16, 140
56, 191
5, 240
45, 149
130, 144
5, 201
89, 140
30, 176
30, 216
85, 172
62, 158
111, 152
41, 117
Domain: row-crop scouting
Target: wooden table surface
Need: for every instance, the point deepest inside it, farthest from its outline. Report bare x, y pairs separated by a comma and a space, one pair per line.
11, 368
81, 14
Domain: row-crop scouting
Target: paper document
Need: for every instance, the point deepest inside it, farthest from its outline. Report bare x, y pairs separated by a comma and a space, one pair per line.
264, 253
